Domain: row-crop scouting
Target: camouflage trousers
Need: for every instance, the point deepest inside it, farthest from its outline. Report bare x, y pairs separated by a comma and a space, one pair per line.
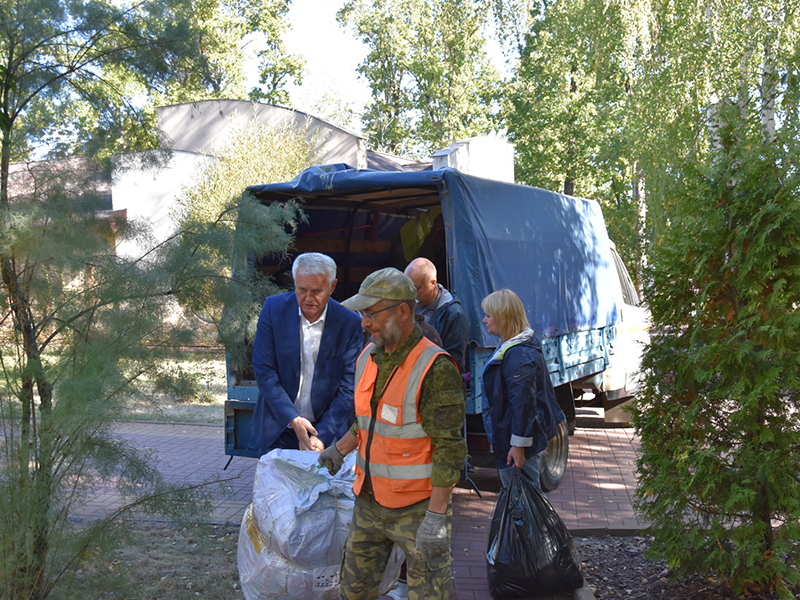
373, 532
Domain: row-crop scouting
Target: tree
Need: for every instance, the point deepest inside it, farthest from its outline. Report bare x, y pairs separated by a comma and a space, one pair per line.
211, 207
73, 320
80, 325
718, 416
432, 82
387, 118
226, 29
276, 66
333, 107
571, 108
111, 105
513, 22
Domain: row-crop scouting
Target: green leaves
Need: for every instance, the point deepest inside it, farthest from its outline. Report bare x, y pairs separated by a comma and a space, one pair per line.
723, 288
691, 112
571, 111
723, 374
84, 324
88, 78
91, 324
432, 82
218, 225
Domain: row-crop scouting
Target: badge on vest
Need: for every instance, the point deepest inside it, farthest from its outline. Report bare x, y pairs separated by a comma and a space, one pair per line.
389, 414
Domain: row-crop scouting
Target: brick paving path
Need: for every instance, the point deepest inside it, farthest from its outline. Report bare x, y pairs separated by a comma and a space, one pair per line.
594, 498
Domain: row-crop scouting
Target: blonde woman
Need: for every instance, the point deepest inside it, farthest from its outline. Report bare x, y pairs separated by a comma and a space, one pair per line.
520, 411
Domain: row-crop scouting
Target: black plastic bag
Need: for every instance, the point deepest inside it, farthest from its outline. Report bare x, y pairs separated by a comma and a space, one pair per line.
530, 551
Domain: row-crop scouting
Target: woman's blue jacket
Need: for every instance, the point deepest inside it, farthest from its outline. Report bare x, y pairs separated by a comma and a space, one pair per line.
519, 400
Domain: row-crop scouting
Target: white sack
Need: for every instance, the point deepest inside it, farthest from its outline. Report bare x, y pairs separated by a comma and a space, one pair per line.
265, 574
301, 509
292, 536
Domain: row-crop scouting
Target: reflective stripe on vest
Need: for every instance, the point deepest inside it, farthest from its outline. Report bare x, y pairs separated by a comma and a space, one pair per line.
400, 453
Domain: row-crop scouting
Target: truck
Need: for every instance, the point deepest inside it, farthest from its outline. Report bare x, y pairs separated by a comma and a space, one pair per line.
551, 249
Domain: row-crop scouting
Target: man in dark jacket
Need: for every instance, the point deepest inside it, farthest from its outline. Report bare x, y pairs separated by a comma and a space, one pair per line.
440, 309
304, 358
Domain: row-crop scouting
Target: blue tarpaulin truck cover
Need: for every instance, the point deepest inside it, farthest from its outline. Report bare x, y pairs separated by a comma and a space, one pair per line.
552, 250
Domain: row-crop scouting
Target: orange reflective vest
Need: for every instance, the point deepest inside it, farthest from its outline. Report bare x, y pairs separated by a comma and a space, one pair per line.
392, 440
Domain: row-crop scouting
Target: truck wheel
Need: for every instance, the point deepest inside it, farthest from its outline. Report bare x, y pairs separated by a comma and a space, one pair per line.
553, 461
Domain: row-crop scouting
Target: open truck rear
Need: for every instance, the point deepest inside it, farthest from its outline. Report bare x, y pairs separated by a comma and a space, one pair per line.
552, 250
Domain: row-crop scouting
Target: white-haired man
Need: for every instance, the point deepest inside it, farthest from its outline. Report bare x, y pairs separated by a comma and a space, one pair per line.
304, 357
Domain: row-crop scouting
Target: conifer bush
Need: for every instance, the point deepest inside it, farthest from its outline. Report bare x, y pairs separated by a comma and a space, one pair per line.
719, 416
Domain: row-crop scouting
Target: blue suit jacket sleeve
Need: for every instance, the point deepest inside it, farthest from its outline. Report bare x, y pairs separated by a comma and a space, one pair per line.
275, 347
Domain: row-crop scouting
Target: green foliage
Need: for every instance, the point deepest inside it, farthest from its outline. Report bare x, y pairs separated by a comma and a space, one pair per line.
87, 78
553, 118
71, 66
252, 153
212, 208
179, 382
513, 21
80, 325
276, 67
432, 82
718, 417
333, 107
75, 316
224, 29
571, 109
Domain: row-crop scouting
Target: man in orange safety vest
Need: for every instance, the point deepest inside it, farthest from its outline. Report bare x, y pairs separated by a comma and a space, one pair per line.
409, 404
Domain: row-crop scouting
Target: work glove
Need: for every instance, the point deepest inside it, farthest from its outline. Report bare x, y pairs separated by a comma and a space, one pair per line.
331, 459
432, 539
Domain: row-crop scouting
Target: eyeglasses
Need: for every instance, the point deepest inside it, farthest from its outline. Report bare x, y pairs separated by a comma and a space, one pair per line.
370, 314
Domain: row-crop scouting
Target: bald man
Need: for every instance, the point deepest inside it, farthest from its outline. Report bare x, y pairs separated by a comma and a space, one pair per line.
441, 309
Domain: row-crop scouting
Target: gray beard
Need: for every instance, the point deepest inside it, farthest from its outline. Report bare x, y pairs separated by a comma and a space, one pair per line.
390, 335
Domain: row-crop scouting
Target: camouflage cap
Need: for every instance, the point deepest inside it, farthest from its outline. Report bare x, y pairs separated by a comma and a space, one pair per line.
386, 284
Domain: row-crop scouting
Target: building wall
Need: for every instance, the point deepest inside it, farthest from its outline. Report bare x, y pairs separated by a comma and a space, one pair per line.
486, 156
193, 131
149, 192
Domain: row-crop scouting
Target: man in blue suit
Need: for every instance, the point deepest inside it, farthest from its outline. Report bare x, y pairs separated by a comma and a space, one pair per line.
304, 357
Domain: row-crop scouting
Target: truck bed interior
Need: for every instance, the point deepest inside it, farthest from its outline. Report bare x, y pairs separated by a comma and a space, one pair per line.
362, 232
366, 232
